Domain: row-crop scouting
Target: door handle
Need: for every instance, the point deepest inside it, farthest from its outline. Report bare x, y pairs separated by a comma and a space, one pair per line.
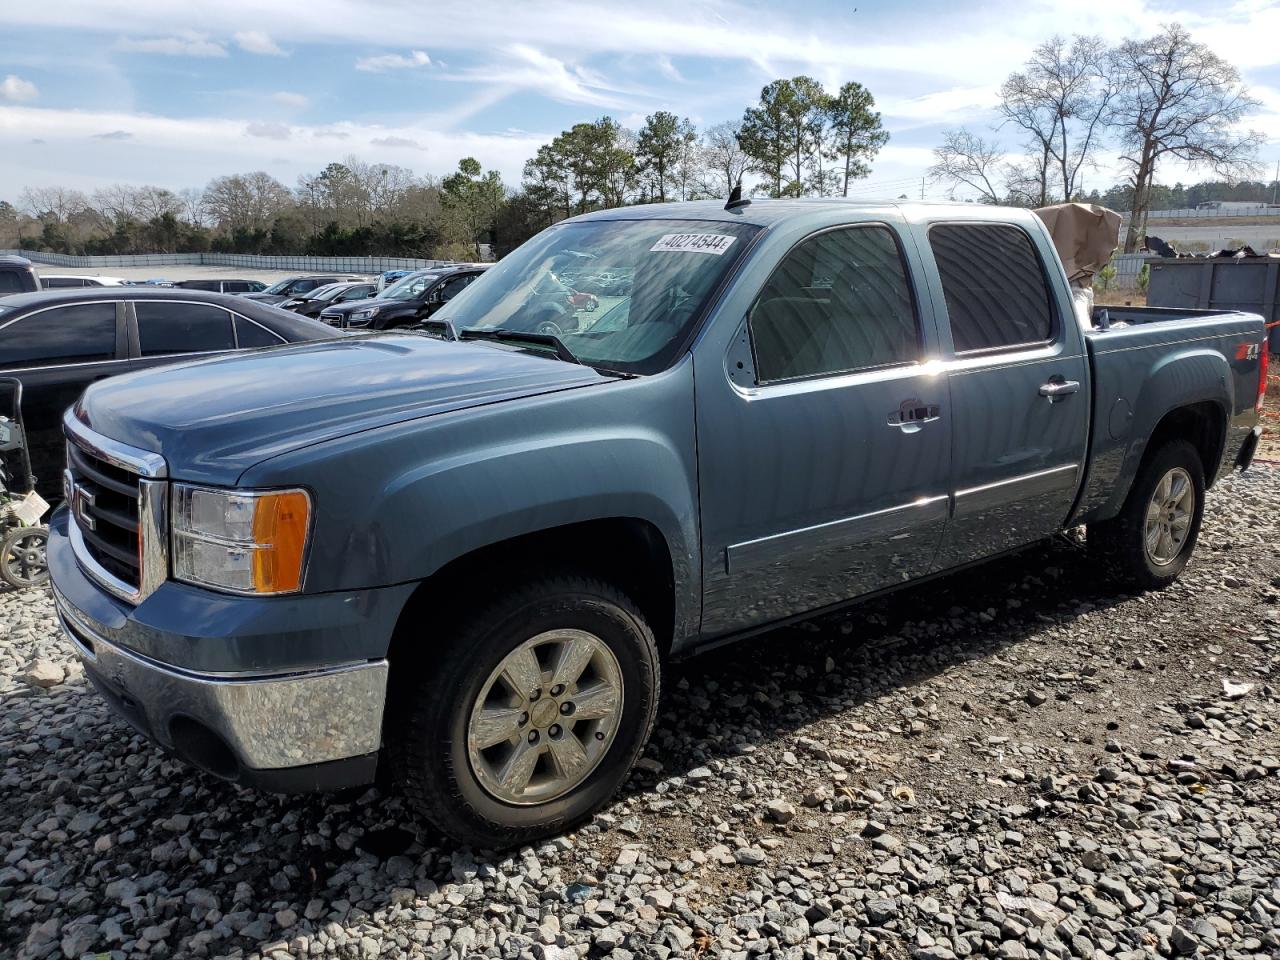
1059, 388
913, 415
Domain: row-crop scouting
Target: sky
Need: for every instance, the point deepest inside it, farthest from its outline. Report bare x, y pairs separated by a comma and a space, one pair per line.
94, 92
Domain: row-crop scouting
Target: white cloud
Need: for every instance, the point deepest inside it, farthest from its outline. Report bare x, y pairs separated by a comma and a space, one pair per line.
114, 135
393, 61
270, 131
16, 90
287, 98
177, 152
186, 44
255, 41
404, 142
668, 69
526, 68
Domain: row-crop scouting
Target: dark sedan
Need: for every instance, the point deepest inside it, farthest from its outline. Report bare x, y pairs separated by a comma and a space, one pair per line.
406, 302
310, 304
59, 341
291, 287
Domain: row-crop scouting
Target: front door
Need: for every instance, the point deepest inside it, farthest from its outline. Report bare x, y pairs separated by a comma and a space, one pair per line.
823, 441
1019, 391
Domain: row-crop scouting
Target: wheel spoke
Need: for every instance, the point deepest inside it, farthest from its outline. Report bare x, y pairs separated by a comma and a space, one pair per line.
575, 654
522, 671
567, 754
595, 702
1153, 538
516, 772
1177, 489
492, 725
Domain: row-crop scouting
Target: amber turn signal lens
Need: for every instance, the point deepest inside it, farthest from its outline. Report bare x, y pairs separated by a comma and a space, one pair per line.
280, 526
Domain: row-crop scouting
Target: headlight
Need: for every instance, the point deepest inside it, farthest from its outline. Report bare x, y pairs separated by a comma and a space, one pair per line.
245, 541
361, 317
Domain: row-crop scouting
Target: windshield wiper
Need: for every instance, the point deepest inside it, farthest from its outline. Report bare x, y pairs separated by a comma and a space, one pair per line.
517, 336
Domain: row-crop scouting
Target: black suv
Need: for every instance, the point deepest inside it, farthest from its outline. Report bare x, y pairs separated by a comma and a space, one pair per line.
408, 301
223, 286
17, 275
291, 287
59, 341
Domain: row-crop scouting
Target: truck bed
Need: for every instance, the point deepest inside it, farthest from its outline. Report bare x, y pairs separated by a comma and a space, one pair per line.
1142, 367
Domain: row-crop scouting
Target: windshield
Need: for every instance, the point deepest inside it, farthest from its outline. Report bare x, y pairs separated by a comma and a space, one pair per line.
327, 292
619, 293
280, 287
409, 287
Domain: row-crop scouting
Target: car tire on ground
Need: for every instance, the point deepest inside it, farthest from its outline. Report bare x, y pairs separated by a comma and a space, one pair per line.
528, 717
1150, 541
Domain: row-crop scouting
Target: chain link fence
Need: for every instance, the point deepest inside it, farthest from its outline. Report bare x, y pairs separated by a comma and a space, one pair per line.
244, 261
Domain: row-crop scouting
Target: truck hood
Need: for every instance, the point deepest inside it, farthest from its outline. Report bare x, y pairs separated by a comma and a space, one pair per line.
213, 419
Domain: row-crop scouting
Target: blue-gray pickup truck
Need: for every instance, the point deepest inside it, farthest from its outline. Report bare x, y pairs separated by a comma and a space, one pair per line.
466, 551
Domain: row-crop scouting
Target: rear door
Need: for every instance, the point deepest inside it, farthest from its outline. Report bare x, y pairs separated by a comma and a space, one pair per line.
822, 471
1018, 377
55, 353
166, 330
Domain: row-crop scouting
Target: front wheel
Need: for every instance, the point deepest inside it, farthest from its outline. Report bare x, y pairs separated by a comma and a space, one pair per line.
530, 716
1150, 541
23, 560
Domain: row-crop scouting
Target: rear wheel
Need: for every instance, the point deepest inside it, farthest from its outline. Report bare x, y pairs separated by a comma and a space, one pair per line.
1151, 540
23, 562
531, 715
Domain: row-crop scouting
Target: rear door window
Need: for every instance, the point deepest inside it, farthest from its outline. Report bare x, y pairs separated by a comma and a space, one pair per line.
79, 333
994, 284
249, 334
167, 327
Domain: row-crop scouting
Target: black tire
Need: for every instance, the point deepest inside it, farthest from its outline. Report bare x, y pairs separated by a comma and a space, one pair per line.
431, 702
1121, 541
23, 561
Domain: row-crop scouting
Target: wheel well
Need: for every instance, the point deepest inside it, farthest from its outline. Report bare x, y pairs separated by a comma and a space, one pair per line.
1203, 425
630, 553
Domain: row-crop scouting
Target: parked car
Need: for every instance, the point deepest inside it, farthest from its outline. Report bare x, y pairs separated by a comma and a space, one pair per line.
58, 342
408, 301
295, 286
310, 304
68, 281
223, 286
468, 559
17, 275
388, 277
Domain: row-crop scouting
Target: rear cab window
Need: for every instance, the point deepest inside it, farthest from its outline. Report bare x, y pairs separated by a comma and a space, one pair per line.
996, 290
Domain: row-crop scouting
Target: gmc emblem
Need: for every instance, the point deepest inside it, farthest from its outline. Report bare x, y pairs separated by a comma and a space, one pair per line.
82, 500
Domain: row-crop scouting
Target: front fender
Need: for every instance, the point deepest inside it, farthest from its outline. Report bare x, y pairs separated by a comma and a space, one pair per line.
396, 504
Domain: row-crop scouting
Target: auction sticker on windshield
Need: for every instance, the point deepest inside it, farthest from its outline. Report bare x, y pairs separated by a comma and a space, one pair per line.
716, 243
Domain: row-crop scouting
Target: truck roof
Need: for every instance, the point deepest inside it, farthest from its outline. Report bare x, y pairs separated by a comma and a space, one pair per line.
765, 212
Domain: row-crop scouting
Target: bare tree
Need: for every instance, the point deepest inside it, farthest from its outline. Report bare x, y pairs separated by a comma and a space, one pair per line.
57, 202
966, 159
246, 201
1061, 101
724, 160
1178, 98
192, 200
152, 202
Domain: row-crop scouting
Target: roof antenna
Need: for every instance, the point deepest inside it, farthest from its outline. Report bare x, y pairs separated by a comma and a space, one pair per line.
735, 198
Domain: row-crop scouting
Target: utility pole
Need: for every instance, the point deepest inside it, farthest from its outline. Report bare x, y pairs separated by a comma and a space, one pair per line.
1275, 184
922, 188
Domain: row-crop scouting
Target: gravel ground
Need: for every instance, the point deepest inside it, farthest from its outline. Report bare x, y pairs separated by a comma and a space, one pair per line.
1013, 762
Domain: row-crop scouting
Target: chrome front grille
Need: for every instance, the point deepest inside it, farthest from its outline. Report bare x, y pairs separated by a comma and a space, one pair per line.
104, 505
118, 499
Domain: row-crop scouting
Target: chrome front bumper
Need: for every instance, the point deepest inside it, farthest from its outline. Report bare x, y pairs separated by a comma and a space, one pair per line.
262, 722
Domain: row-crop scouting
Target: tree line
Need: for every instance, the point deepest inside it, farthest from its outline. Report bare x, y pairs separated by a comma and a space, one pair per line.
1144, 101
798, 139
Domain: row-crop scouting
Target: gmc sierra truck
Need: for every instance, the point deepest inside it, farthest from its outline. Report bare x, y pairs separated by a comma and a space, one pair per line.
465, 552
